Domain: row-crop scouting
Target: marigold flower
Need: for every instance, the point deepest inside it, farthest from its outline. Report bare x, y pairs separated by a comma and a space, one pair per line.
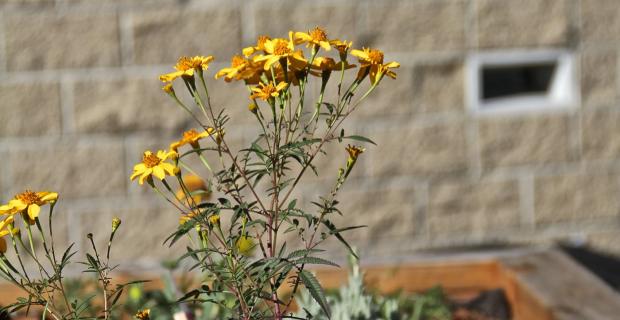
260, 46
373, 59
342, 47
154, 164
267, 91
29, 203
5, 229
187, 217
354, 151
329, 64
281, 49
237, 65
186, 66
214, 220
316, 37
191, 137
144, 314
193, 184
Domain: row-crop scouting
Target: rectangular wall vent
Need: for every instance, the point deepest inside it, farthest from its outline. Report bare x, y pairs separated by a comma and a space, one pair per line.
521, 81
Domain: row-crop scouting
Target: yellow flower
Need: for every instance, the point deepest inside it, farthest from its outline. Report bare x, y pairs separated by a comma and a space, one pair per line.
329, 64
187, 217
5, 229
245, 245
354, 151
196, 185
154, 165
372, 62
190, 137
237, 65
29, 202
144, 314
342, 47
186, 66
214, 220
267, 91
316, 37
281, 49
260, 46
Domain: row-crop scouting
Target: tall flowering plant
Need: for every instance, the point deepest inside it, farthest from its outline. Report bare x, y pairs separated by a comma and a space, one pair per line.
246, 258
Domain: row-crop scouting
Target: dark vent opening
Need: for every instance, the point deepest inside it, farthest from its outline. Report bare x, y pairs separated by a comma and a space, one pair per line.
509, 81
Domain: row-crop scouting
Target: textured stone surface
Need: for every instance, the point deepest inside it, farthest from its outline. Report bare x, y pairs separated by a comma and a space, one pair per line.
417, 26
276, 21
386, 213
457, 207
73, 170
437, 25
606, 241
577, 197
599, 21
438, 87
420, 149
29, 109
140, 237
505, 23
524, 140
42, 41
599, 77
601, 132
391, 97
127, 105
163, 36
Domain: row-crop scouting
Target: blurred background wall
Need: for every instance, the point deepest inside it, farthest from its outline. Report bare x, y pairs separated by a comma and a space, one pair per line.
80, 101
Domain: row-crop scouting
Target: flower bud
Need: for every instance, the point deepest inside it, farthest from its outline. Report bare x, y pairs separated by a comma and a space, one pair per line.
253, 108
115, 223
168, 89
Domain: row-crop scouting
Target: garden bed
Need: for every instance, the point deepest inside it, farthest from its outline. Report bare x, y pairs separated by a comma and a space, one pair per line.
538, 284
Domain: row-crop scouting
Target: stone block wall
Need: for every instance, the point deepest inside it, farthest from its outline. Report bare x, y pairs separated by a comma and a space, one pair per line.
80, 101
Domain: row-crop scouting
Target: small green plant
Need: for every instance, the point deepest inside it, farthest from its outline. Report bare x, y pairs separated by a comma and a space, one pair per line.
44, 283
354, 302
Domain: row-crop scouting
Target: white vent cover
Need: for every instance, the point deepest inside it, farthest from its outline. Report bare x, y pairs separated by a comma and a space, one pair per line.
517, 81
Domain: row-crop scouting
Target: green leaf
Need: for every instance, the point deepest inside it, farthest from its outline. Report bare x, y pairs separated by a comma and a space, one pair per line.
315, 289
302, 252
315, 260
335, 232
360, 138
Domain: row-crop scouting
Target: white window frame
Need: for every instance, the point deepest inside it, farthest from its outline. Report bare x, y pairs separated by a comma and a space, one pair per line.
563, 92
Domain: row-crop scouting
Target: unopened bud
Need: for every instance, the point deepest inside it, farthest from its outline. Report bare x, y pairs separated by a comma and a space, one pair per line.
253, 108
116, 222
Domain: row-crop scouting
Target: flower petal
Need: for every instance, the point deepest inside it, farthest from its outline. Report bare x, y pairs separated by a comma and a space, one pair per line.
33, 211
158, 171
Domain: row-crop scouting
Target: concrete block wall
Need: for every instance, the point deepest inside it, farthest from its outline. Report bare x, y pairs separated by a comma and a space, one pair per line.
80, 101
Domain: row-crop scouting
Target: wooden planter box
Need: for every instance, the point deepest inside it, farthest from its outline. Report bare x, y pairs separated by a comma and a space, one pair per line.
540, 285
